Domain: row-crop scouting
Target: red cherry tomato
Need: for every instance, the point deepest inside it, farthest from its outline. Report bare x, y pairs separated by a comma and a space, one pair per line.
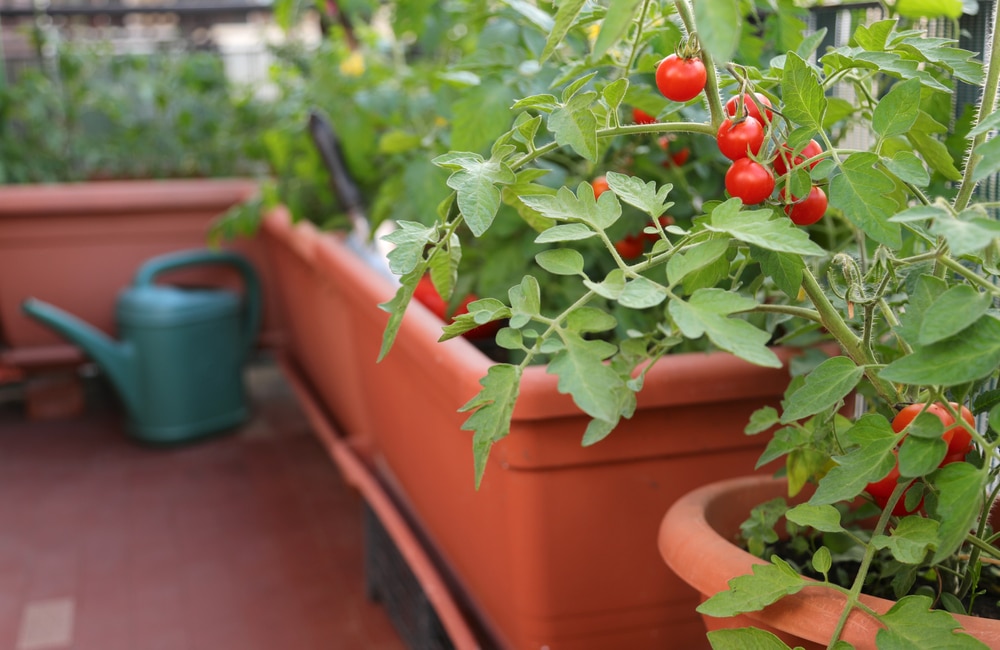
629, 247
680, 157
881, 490
808, 210
959, 440
680, 79
784, 161
751, 108
600, 185
640, 116
740, 139
749, 180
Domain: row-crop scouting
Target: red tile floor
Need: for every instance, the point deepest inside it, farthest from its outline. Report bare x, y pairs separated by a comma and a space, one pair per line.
243, 542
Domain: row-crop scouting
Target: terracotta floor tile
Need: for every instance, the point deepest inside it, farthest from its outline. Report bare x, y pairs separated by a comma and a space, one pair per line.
248, 541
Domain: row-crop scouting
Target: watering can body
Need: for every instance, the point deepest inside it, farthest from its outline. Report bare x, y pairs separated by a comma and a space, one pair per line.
178, 365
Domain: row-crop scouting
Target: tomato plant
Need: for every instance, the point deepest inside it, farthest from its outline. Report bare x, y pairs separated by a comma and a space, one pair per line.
680, 79
750, 181
807, 211
600, 185
741, 138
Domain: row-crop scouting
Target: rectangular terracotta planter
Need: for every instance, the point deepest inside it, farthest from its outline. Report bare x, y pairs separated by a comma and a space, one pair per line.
558, 547
76, 245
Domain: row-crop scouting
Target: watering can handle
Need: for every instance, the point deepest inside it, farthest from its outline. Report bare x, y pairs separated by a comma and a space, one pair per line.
146, 275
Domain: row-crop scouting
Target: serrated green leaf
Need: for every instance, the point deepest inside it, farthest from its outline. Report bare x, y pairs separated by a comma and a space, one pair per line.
574, 125
760, 228
750, 593
990, 162
862, 192
580, 207
829, 383
897, 111
644, 195
803, 94
911, 623
584, 375
544, 102
475, 181
919, 213
869, 460
966, 236
492, 409
953, 311
614, 93
397, 308
761, 420
823, 518
911, 540
960, 496
409, 241
719, 25
935, 153
615, 25
970, 356
707, 313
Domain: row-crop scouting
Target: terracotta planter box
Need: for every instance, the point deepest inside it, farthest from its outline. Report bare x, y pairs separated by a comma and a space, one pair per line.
77, 245
695, 541
557, 549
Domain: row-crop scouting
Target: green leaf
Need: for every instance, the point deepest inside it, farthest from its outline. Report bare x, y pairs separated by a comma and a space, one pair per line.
824, 518
642, 293
565, 17
719, 25
761, 420
761, 228
397, 309
907, 167
862, 192
967, 234
745, 638
707, 313
565, 232
935, 153
972, 355
590, 319
584, 375
930, 8
911, 623
533, 14
561, 261
824, 387
897, 111
960, 489
990, 163
751, 593
645, 196
579, 207
921, 456
614, 93
615, 25
525, 301
475, 180
611, 287
784, 268
409, 241
574, 125
694, 259
482, 114
920, 213
911, 540
802, 92
493, 407
954, 310
870, 459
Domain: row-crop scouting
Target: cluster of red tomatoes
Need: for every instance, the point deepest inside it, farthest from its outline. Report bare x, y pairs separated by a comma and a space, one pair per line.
955, 435
428, 296
741, 138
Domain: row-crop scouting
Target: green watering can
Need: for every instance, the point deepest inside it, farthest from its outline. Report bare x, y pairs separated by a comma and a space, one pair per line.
179, 365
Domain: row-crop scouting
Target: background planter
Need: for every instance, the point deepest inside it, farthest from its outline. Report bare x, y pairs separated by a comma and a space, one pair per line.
696, 542
556, 548
77, 245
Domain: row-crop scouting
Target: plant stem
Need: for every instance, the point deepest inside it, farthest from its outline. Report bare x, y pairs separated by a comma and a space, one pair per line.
986, 105
852, 344
712, 78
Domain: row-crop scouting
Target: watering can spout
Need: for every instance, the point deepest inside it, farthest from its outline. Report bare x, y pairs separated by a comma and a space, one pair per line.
116, 359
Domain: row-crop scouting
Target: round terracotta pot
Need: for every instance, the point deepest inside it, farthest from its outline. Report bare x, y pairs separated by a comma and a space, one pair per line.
696, 541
